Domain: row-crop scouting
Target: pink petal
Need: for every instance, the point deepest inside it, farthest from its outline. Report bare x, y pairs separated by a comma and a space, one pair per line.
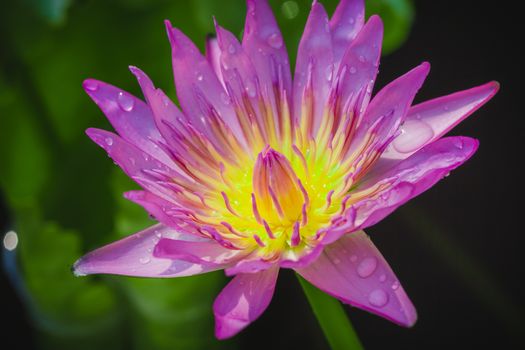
206, 252
213, 55
250, 264
428, 121
130, 117
132, 256
242, 301
136, 164
162, 210
359, 66
347, 21
354, 271
314, 68
199, 90
410, 177
264, 44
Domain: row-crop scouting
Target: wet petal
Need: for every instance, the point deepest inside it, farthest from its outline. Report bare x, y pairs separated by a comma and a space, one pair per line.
132, 256
428, 121
242, 301
347, 21
354, 271
199, 89
130, 116
314, 70
263, 42
206, 252
410, 177
213, 55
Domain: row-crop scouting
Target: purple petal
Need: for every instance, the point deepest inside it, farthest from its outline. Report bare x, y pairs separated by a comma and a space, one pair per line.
199, 90
264, 44
206, 252
162, 210
359, 65
242, 301
428, 121
412, 176
347, 21
388, 108
354, 271
137, 164
213, 55
130, 116
132, 256
248, 265
314, 70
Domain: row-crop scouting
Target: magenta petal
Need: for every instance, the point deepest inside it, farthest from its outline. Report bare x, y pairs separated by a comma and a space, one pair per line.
205, 252
264, 44
314, 69
130, 116
242, 301
132, 256
347, 21
359, 65
412, 176
162, 210
213, 55
354, 271
248, 265
198, 88
428, 121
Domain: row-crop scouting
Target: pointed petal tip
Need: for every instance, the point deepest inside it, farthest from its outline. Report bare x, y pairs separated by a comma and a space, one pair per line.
226, 328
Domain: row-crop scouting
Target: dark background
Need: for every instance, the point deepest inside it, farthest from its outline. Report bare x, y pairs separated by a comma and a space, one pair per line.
457, 248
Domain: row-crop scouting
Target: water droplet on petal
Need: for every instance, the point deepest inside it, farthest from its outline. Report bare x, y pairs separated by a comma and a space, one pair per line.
109, 141
414, 134
382, 278
91, 85
144, 260
361, 58
125, 101
275, 40
353, 70
378, 298
200, 77
367, 267
250, 89
395, 285
351, 20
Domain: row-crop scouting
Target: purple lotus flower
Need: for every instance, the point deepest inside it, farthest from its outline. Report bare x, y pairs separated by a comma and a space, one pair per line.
259, 172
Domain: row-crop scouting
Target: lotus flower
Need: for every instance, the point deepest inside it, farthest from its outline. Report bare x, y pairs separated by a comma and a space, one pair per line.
258, 171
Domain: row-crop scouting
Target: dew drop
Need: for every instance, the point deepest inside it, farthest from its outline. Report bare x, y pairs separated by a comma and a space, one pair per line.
109, 141
250, 89
353, 70
414, 134
378, 298
125, 102
200, 77
144, 260
361, 58
275, 40
91, 85
367, 267
395, 285
382, 278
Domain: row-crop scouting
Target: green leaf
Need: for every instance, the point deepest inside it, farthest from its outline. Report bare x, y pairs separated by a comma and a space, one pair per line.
332, 318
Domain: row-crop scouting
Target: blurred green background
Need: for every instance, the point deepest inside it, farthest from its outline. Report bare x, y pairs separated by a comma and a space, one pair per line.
64, 196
